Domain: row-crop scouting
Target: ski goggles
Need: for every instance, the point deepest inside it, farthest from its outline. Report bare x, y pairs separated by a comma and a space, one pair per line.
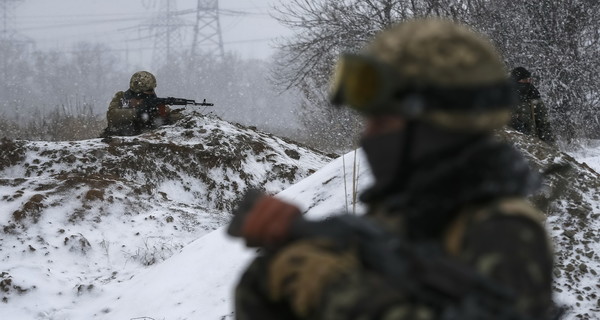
363, 84
372, 87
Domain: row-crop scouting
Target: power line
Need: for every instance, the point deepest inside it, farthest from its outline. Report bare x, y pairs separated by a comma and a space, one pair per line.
82, 20
62, 16
125, 17
112, 49
78, 24
120, 38
251, 40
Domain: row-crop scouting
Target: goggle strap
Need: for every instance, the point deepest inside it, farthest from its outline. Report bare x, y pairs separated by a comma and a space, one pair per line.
484, 98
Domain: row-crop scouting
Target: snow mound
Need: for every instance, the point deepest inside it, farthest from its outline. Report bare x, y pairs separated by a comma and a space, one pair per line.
76, 216
124, 230
571, 201
199, 282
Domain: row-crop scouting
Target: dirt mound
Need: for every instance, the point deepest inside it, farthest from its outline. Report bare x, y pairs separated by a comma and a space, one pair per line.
208, 159
570, 199
132, 199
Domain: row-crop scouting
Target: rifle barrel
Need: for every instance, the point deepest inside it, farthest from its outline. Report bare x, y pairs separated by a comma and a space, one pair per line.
180, 101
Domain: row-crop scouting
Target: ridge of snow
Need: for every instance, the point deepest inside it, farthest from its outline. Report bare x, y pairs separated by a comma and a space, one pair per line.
66, 280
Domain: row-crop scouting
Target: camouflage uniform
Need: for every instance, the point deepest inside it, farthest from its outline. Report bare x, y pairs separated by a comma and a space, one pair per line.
443, 186
492, 230
531, 115
453, 206
124, 116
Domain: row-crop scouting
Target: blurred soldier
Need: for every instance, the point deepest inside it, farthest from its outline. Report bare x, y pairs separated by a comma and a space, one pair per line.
530, 115
132, 111
448, 200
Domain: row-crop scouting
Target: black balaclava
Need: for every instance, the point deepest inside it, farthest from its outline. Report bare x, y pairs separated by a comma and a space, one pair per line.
520, 73
393, 156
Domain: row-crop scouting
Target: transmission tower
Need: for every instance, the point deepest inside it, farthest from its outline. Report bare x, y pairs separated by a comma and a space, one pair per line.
10, 39
7, 16
207, 31
166, 28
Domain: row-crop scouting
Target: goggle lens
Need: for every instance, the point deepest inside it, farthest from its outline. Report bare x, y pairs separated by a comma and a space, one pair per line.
357, 82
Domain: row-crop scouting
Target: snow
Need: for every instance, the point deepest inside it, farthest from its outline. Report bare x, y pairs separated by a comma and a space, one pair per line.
198, 282
588, 153
585, 252
195, 282
103, 247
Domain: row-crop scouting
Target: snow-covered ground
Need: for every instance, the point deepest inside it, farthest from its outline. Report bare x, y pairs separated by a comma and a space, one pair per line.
582, 271
198, 282
87, 225
588, 153
195, 282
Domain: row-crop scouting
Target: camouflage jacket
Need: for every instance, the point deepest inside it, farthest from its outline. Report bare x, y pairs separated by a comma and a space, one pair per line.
470, 207
531, 115
122, 116
473, 208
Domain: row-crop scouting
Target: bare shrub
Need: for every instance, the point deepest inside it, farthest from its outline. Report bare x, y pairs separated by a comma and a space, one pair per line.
64, 123
155, 250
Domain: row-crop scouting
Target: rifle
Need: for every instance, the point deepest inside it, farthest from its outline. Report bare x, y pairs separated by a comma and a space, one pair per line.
178, 102
157, 107
421, 271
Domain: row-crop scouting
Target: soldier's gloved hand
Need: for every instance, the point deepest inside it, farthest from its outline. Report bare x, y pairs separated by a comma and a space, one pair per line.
300, 272
268, 222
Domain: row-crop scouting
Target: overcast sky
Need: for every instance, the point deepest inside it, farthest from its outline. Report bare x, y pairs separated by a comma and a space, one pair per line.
246, 25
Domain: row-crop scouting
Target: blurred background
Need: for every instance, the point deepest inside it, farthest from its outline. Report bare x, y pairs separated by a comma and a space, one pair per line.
264, 63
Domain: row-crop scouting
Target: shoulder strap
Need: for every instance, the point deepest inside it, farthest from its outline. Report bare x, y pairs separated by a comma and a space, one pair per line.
455, 232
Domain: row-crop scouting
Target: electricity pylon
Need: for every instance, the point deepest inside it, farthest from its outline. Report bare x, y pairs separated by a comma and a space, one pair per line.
207, 31
7, 19
166, 28
10, 40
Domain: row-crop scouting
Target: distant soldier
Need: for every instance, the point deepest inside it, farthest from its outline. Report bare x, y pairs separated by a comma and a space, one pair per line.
132, 111
448, 233
530, 115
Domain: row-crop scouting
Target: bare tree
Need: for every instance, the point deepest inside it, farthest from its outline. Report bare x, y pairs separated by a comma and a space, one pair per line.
324, 29
41, 88
15, 76
557, 40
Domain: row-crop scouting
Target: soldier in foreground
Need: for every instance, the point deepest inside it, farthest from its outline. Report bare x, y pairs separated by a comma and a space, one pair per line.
448, 233
137, 109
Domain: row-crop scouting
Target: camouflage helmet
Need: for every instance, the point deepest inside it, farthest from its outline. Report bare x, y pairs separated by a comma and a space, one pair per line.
142, 81
431, 70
